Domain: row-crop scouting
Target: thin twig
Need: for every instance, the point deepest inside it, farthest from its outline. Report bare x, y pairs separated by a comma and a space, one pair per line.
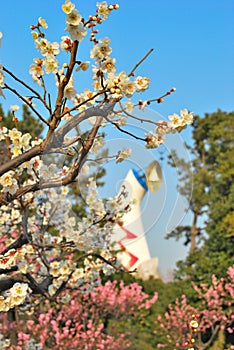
137, 65
124, 131
137, 118
27, 86
26, 101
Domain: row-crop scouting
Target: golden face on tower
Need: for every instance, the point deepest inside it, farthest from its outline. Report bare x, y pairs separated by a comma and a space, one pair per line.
154, 176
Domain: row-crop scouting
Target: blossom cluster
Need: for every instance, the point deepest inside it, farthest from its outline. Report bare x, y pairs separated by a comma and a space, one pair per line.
215, 311
52, 247
176, 123
92, 234
19, 143
118, 85
80, 322
14, 296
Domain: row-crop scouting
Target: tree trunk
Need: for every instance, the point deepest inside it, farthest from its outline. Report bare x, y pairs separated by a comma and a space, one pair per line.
220, 342
193, 233
12, 332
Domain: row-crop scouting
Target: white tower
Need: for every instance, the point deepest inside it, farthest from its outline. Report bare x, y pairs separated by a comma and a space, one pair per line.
129, 237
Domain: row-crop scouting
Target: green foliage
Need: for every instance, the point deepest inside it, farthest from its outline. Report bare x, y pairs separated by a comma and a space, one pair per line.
27, 124
212, 200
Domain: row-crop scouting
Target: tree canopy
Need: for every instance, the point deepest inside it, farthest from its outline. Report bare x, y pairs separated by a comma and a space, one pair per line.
210, 235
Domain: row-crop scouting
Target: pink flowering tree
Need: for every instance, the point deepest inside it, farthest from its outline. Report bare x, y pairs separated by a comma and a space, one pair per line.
188, 327
80, 320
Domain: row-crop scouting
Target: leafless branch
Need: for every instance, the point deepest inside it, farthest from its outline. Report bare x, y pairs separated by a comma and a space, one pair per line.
142, 60
29, 104
27, 86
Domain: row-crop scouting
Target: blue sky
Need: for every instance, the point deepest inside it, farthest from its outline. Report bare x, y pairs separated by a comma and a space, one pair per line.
193, 45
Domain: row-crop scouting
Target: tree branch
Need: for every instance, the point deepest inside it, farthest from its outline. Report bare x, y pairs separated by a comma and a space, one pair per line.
29, 104
143, 59
27, 86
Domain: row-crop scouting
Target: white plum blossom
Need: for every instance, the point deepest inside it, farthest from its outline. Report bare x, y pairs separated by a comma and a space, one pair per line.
66, 43
19, 290
83, 66
68, 7
15, 136
88, 95
15, 150
142, 104
73, 18
8, 182
25, 141
108, 65
48, 48
42, 22
35, 35
51, 64
129, 106
98, 143
103, 9
125, 153
162, 128
175, 121
121, 122
141, 83
117, 84
3, 132
102, 50
70, 91
129, 88
14, 108
153, 140
36, 68
187, 117
77, 32
179, 122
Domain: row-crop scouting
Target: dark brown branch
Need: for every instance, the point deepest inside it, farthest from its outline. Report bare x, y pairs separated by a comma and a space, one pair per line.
29, 104
27, 86
62, 85
80, 104
124, 131
39, 288
55, 140
19, 242
24, 157
78, 118
6, 271
9, 282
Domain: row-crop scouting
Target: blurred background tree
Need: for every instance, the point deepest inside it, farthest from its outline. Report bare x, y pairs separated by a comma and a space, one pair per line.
211, 233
